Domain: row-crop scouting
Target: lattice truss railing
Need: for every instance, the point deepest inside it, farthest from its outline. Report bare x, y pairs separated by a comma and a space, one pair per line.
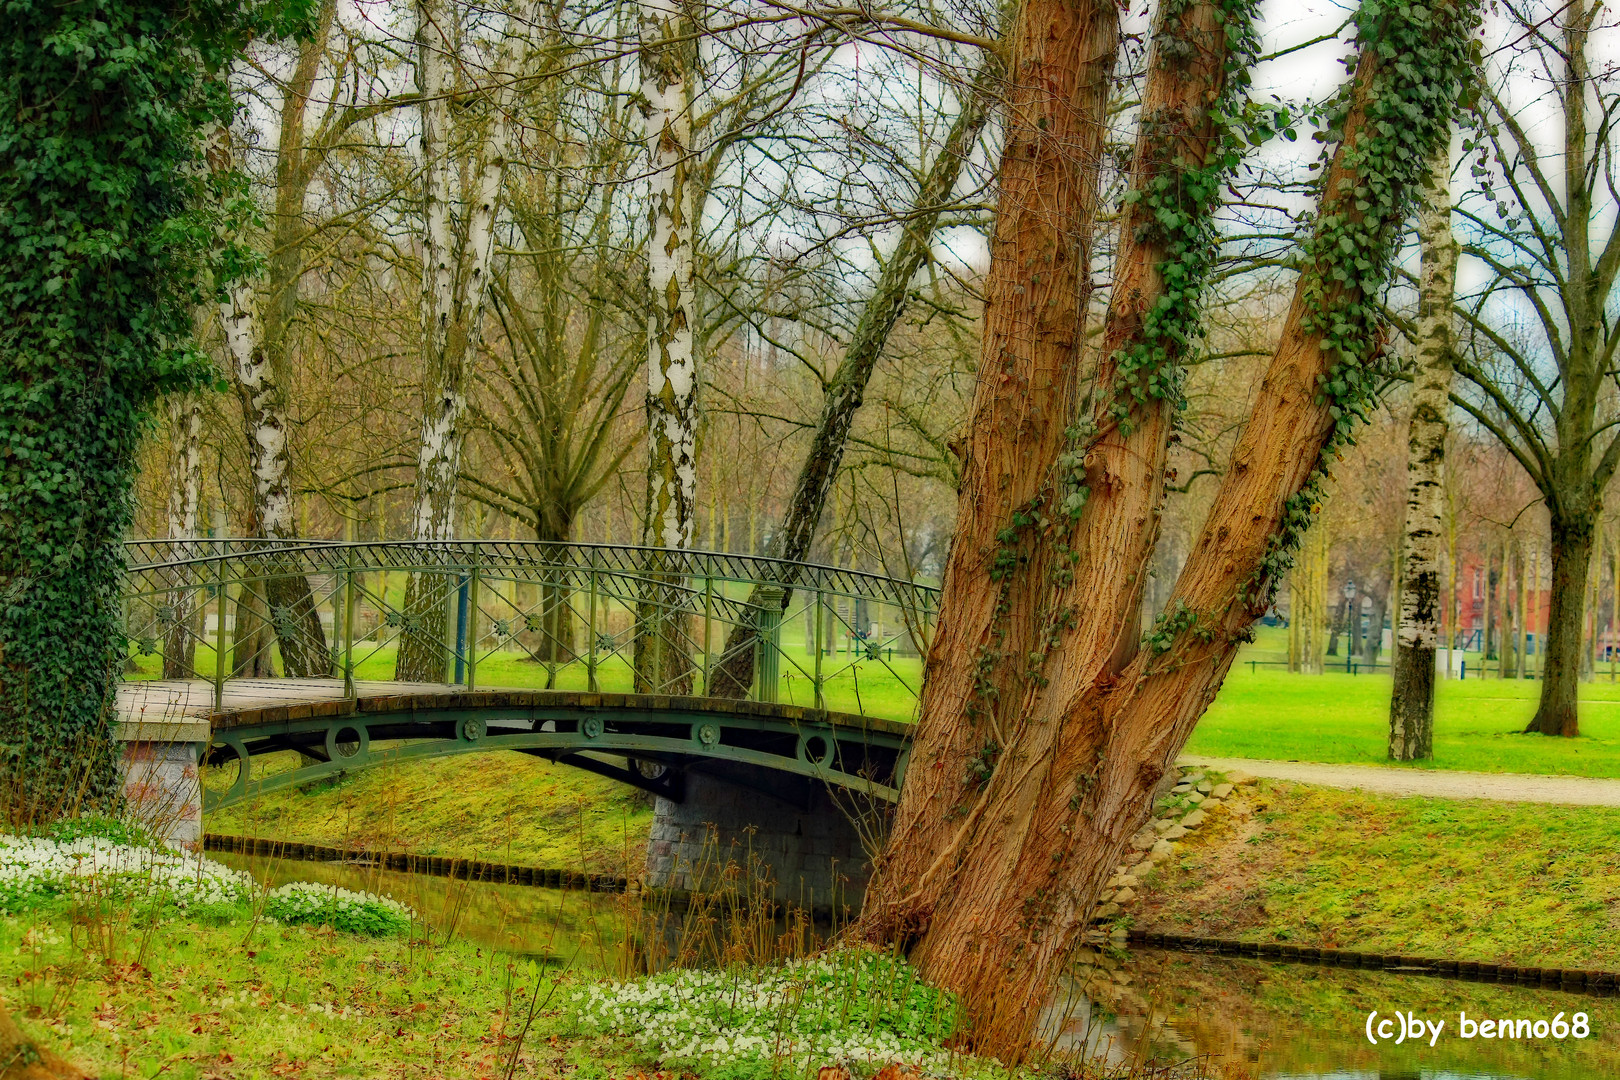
576, 616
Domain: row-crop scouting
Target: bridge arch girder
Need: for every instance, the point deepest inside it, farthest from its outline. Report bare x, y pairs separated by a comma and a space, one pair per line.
580, 729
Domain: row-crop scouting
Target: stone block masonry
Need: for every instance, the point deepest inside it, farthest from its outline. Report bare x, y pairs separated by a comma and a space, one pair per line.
772, 826
158, 763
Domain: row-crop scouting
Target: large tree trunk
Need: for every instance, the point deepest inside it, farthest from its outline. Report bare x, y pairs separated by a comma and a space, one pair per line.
1411, 705
23, 1059
1571, 553
662, 647
185, 485
556, 618
997, 908
733, 676
459, 202
1059, 71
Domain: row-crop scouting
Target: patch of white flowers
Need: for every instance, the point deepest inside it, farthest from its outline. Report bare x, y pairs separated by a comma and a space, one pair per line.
33, 867
345, 909
848, 1005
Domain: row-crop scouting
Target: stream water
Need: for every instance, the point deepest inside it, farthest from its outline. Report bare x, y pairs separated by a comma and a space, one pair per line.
1263, 1020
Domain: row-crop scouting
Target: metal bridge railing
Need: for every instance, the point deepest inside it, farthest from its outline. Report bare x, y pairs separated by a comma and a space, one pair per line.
527, 613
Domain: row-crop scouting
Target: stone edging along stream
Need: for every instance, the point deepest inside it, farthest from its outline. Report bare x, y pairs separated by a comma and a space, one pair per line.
1598, 982
433, 865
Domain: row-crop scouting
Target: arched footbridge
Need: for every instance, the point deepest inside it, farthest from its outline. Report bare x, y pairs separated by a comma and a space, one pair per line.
646, 740
642, 664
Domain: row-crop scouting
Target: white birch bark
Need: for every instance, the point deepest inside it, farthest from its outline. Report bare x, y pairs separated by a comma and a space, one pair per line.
672, 378
264, 414
459, 199
185, 473
455, 279
1411, 715
185, 484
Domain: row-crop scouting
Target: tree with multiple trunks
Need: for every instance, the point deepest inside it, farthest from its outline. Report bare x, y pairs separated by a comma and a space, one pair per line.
1047, 717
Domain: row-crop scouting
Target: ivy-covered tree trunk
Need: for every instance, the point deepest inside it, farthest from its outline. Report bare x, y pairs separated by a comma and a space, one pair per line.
101, 235
1411, 705
733, 676
662, 660
185, 484
995, 910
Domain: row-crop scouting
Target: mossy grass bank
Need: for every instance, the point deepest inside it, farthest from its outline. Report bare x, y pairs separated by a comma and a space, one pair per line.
1517, 883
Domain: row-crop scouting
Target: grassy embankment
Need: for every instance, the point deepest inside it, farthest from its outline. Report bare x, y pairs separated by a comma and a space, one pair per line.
507, 807
221, 1000
1473, 880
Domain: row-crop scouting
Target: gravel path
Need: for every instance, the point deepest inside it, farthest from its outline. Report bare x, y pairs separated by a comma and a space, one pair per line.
1436, 783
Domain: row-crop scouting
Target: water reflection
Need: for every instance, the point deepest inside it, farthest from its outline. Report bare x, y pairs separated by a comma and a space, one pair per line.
559, 927
1279, 1021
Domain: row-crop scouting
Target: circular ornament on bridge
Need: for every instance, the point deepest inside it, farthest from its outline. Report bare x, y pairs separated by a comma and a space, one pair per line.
707, 733
817, 750
347, 741
471, 730
591, 727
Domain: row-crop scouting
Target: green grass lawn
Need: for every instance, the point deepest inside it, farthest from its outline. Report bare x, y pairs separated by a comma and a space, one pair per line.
1265, 712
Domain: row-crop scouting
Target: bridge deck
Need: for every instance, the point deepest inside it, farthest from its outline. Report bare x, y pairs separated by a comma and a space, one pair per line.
173, 700
147, 705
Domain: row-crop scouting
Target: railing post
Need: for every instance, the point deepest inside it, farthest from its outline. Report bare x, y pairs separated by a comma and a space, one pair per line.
708, 620
348, 625
820, 617
472, 628
590, 633
447, 636
768, 643
461, 629
222, 606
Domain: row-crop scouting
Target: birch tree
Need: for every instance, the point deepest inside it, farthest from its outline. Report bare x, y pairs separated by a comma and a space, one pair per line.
1411, 707
668, 60
185, 487
463, 167
259, 323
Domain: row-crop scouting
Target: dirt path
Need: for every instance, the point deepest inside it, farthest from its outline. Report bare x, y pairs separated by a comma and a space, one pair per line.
1435, 783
